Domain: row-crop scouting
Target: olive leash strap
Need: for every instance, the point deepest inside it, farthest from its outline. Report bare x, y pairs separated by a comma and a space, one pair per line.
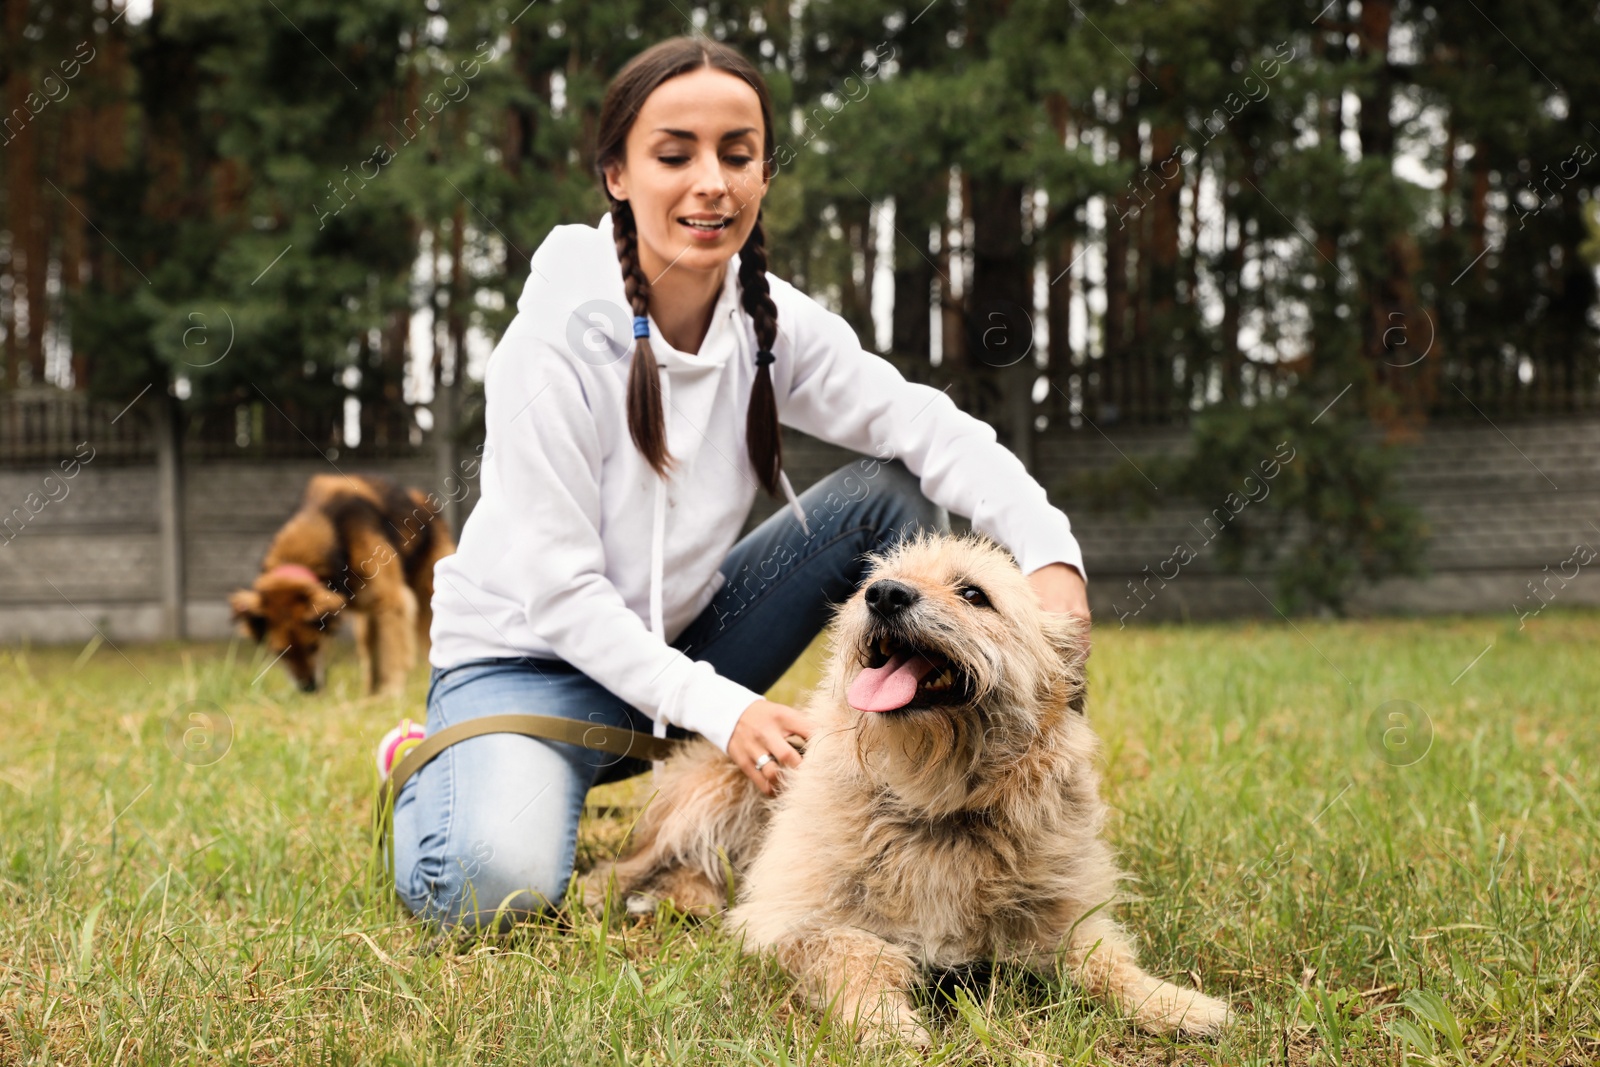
612, 739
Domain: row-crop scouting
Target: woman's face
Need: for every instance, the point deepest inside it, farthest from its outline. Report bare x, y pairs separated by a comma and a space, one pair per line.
694, 153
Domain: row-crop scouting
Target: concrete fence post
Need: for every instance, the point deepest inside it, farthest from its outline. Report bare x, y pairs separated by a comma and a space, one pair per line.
167, 426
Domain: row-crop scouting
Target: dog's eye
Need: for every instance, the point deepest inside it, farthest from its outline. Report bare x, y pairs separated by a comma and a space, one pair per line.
974, 596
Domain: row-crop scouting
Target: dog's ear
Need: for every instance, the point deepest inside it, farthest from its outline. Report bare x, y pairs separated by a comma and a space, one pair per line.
246, 605
1067, 634
244, 602
1069, 638
324, 606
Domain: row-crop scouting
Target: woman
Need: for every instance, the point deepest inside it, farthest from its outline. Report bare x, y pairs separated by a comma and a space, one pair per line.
619, 466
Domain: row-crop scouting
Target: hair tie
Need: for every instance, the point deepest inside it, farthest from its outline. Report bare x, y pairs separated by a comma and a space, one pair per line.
641, 326
764, 357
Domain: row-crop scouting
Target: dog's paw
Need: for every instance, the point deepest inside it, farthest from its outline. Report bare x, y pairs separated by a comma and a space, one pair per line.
640, 904
889, 1022
1172, 1009
916, 1035
906, 1030
595, 887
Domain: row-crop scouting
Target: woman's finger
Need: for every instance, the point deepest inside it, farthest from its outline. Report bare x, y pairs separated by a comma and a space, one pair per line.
772, 743
796, 722
760, 778
782, 752
759, 775
775, 770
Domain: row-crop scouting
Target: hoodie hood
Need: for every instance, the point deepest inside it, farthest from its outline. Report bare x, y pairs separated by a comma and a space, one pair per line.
576, 267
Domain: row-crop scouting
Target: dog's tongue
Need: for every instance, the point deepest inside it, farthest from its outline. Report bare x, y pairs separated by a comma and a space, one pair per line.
890, 686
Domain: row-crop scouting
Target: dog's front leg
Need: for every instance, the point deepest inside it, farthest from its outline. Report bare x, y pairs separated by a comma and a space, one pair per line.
424, 624
393, 626
1098, 954
863, 979
361, 630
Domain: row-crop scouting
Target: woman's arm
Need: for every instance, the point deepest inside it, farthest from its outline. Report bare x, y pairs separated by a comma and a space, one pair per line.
844, 394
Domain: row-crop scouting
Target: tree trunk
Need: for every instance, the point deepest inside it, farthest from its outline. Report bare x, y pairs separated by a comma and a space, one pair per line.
1377, 133
915, 217
447, 391
1113, 369
999, 303
25, 349
855, 221
1061, 249
952, 324
1231, 284
1161, 269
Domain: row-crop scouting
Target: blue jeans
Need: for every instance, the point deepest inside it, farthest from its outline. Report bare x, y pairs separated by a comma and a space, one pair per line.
491, 825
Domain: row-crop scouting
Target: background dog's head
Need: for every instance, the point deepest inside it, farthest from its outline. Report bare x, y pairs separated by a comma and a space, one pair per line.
946, 651
290, 613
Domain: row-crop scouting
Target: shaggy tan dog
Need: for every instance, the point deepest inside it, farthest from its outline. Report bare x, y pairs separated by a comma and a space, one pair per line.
947, 812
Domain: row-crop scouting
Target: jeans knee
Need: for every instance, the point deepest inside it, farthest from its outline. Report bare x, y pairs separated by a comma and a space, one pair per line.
486, 883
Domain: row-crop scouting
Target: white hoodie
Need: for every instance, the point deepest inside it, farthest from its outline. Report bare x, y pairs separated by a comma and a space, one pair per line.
576, 550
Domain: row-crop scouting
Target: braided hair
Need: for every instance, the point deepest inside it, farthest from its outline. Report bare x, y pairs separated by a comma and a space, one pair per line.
646, 419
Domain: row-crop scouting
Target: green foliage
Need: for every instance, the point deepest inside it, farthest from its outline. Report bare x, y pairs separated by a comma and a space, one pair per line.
1328, 516
1432, 1019
232, 178
1280, 485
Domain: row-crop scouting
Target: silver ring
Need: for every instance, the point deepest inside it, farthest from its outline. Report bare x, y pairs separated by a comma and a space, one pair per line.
764, 759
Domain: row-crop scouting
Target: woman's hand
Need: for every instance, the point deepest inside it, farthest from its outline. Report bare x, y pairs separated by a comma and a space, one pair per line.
763, 729
1061, 588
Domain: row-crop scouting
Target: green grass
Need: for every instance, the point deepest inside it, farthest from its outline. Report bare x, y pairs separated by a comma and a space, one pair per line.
174, 910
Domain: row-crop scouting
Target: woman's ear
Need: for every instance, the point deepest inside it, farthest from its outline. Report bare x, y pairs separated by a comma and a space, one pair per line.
614, 181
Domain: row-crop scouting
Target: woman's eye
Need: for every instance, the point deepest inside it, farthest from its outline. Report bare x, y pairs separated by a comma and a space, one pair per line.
736, 161
974, 596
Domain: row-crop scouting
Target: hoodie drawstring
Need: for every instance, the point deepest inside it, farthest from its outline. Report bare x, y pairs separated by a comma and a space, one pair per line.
658, 545
794, 501
788, 490
658, 534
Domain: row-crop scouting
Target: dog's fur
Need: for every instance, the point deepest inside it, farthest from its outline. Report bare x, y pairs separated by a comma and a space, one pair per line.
961, 828
371, 545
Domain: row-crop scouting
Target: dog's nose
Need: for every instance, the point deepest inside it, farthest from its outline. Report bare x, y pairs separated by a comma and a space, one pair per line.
308, 685
888, 598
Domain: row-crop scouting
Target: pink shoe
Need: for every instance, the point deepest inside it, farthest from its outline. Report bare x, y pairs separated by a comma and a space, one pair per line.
396, 743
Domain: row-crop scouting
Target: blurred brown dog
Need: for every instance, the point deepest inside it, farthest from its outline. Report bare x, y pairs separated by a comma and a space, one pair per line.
360, 543
947, 812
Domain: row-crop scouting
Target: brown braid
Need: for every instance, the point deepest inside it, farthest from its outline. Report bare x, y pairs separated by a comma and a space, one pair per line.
763, 438
646, 420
